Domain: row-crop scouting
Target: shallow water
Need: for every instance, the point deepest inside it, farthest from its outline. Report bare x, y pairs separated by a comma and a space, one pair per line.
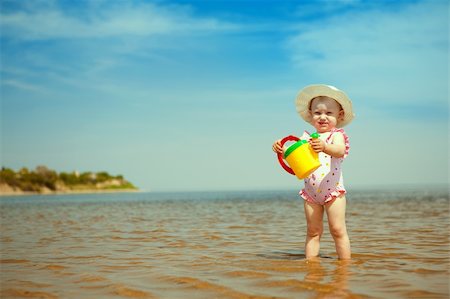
220, 245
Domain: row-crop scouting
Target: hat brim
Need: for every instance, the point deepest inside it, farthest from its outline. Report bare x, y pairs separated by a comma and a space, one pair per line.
304, 97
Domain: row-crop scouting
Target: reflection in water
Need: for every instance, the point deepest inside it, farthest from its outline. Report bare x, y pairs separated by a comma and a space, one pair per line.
340, 278
236, 245
337, 286
315, 271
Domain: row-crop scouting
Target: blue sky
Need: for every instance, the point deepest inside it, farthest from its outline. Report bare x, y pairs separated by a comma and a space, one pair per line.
190, 95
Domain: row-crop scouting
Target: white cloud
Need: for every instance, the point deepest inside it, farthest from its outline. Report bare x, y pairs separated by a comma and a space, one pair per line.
399, 55
321, 7
123, 19
24, 86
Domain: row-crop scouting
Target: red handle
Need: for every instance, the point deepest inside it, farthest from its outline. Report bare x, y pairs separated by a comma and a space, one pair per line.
280, 156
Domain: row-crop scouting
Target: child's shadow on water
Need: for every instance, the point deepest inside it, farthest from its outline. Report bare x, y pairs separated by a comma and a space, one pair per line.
288, 255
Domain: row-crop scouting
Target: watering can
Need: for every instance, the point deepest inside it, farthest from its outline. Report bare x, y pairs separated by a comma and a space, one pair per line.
301, 158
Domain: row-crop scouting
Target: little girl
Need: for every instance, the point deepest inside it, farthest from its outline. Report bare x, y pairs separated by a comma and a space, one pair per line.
328, 109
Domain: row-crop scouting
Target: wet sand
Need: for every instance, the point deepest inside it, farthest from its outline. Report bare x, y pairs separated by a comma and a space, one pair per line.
229, 245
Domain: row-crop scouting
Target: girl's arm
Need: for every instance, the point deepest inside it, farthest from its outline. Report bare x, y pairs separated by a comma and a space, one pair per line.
337, 149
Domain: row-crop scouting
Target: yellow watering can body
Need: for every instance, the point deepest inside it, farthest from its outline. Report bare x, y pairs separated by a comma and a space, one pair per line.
302, 159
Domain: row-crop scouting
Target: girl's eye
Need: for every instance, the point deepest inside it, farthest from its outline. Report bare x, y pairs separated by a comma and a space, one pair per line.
317, 113
329, 113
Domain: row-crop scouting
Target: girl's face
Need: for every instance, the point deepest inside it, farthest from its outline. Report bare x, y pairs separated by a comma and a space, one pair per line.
325, 113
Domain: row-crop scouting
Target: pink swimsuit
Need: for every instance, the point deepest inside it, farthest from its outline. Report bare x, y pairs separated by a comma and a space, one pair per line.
326, 183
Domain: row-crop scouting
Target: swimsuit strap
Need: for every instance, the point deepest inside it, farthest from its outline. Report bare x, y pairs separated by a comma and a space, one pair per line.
346, 140
331, 134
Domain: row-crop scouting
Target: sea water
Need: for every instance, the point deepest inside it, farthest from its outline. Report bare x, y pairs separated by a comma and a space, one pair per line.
221, 245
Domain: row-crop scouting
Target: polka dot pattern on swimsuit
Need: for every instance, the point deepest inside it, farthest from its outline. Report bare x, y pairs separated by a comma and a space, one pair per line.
326, 183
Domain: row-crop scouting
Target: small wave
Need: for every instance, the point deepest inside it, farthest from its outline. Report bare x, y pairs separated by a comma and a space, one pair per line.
13, 261
12, 293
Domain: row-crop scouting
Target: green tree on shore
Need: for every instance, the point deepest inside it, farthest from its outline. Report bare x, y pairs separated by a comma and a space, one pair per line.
43, 177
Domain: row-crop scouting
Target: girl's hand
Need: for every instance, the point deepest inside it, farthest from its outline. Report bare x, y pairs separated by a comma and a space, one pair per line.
317, 145
276, 147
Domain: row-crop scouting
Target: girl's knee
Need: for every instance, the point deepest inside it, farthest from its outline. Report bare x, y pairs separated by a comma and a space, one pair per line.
314, 231
338, 231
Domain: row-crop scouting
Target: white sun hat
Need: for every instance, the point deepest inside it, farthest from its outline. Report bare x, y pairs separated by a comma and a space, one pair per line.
304, 97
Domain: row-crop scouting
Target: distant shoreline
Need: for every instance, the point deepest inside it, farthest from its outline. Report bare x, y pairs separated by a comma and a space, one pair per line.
67, 192
45, 181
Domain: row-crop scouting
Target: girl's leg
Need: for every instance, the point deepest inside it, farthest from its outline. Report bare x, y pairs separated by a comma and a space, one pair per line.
336, 221
314, 220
